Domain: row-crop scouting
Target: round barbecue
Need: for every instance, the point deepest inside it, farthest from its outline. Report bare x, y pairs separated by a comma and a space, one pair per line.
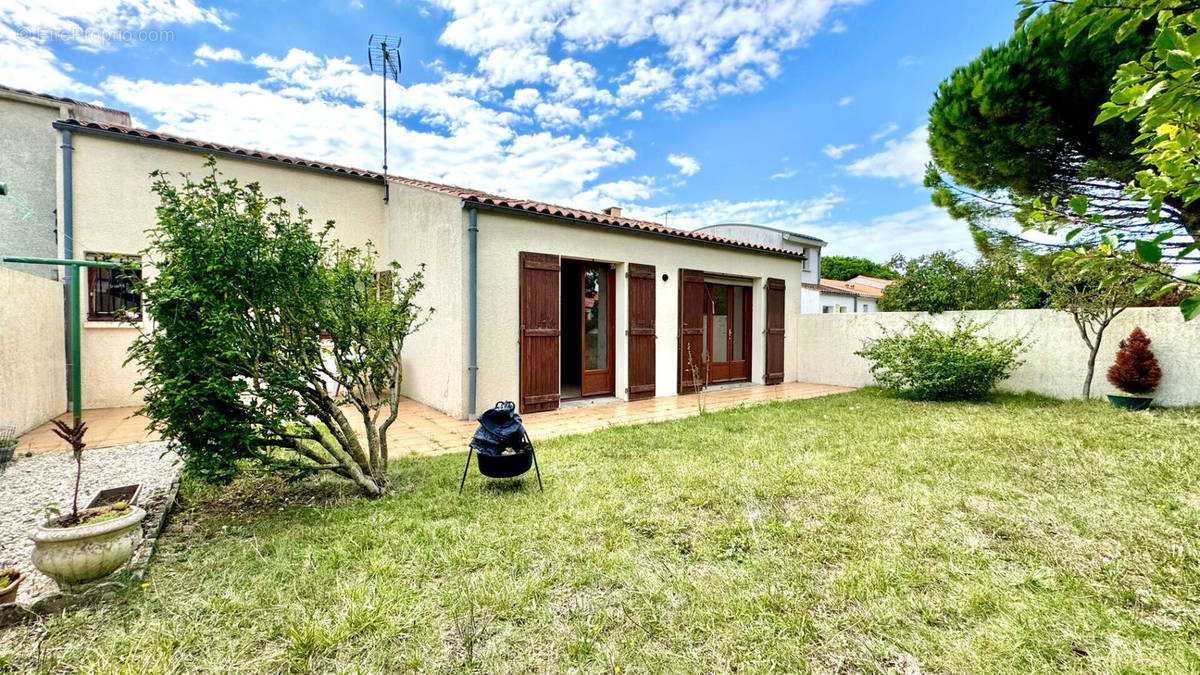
501, 445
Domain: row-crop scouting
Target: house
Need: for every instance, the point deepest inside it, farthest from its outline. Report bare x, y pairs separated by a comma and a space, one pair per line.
809, 246
860, 294
535, 302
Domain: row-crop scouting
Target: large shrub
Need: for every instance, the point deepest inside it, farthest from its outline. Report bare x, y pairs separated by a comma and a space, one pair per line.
923, 362
234, 367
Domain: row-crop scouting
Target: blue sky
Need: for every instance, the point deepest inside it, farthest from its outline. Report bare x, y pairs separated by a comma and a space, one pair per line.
802, 114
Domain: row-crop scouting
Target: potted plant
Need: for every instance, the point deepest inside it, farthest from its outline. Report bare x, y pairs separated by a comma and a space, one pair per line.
10, 580
85, 545
1135, 372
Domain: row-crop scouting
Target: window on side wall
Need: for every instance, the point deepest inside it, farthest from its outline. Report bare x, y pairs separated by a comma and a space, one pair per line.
827, 309
112, 292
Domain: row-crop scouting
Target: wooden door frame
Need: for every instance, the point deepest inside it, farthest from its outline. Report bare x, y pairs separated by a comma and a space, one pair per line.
608, 374
747, 321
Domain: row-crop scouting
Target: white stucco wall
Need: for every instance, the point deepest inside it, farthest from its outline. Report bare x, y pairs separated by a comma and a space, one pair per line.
113, 206
503, 237
1054, 366
770, 236
33, 380
430, 228
847, 304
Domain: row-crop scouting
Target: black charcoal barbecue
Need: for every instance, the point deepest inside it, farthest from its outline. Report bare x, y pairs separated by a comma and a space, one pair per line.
501, 446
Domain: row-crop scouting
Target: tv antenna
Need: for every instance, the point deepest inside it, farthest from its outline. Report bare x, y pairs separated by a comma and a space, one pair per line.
383, 54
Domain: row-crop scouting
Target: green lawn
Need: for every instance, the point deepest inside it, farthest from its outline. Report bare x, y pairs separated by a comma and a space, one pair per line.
853, 533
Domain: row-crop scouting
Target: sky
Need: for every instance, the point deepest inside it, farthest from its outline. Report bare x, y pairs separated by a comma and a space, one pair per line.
806, 115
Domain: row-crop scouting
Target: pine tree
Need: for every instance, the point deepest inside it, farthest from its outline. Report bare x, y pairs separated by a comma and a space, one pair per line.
1136, 370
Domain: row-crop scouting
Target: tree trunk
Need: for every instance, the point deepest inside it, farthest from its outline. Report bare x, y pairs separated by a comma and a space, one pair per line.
1091, 370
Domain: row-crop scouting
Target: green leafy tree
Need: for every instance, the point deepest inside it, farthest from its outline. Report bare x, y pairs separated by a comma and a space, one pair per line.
939, 282
1156, 90
234, 367
844, 268
1017, 125
1094, 295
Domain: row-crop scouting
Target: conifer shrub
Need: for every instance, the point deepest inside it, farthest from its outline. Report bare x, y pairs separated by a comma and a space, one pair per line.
1136, 370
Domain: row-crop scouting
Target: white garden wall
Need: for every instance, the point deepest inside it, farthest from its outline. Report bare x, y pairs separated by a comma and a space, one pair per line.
33, 378
1055, 364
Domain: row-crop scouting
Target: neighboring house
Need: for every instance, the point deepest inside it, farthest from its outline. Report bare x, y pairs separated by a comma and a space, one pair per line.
860, 294
29, 166
794, 241
561, 303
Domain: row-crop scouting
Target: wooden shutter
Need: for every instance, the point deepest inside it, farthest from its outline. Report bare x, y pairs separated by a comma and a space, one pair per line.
641, 331
539, 332
691, 356
774, 332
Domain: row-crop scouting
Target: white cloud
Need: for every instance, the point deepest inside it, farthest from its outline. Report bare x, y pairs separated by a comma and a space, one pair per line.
837, 27
557, 115
911, 232
524, 98
836, 151
708, 49
616, 193
634, 115
27, 28
687, 166
644, 80
886, 131
792, 215
903, 159
908, 61
785, 174
332, 109
845, 101
206, 53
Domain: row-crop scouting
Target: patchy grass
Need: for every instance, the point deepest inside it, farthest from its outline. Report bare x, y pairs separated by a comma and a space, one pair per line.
854, 533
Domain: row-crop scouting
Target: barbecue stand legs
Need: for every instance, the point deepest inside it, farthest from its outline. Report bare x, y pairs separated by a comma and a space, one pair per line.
467, 467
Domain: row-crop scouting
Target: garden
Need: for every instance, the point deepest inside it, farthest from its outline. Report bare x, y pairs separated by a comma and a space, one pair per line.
856, 532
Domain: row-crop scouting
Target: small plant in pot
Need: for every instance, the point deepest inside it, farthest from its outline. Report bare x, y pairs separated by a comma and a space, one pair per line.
1135, 372
86, 545
10, 581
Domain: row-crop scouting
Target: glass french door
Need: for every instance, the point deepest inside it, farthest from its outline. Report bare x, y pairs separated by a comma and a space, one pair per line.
598, 330
727, 333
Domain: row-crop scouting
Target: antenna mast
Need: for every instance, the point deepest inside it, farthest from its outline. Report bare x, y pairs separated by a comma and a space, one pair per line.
383, 55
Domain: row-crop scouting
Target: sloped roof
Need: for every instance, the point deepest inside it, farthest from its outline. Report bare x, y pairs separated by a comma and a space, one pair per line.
467, 195
542, 208
186, 143
848, 288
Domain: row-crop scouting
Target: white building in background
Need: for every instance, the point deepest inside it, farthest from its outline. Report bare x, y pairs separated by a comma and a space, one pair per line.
810, 247
858, 295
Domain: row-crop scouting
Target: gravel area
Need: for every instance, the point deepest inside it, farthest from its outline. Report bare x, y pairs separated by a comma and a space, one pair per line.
27, 484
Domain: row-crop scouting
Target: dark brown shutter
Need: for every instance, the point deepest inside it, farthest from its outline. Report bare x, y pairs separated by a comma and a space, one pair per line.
691, 331
539, 332
641, 331
774, 332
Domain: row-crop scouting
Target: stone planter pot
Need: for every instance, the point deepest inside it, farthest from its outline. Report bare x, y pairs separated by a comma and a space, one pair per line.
9, 593
1130, 402
77, 556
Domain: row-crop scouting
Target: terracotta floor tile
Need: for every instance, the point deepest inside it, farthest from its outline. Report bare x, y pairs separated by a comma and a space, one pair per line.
421, 430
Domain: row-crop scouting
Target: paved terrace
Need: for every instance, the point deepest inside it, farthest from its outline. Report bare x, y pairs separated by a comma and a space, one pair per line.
421, 430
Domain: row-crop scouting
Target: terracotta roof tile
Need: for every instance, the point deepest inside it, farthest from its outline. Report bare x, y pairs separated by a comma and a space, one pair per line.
543, 208
465, 194
218, 147
849, 288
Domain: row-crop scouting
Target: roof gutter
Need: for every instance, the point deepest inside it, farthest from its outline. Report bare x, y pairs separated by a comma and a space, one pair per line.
472, 308
508, 210
79, 128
